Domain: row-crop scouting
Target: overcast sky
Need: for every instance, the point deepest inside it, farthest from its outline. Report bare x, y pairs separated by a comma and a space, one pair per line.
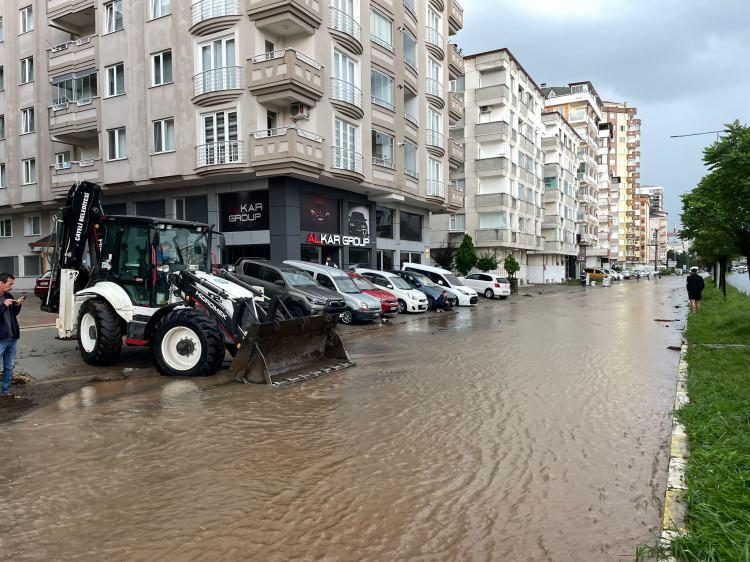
684, 64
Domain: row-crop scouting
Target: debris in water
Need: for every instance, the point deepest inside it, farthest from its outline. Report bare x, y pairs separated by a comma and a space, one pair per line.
527, 295
674, 347
664, 320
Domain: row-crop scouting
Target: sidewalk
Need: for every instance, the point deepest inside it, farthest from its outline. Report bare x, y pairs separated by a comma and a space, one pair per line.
32, 315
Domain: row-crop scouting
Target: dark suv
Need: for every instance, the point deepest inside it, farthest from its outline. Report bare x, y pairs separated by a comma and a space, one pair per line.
301, 294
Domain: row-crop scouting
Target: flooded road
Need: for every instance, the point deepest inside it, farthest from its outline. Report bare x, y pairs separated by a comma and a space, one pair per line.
526, 430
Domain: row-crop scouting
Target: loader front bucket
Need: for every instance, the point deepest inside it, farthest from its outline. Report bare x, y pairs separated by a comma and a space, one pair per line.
289, 351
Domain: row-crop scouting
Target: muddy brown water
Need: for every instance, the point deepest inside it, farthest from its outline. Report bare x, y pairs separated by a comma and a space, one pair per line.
534, 430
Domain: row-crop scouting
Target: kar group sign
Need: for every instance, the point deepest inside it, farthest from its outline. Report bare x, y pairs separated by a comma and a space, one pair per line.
243, 210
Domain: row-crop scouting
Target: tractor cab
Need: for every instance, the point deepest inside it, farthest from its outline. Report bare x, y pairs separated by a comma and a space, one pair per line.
139, 253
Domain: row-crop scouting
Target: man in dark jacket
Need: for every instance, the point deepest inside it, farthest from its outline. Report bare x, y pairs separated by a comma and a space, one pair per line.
695, 286
442, 303
9, 329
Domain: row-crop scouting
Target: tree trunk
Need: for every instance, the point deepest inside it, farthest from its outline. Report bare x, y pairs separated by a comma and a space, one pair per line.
723, 274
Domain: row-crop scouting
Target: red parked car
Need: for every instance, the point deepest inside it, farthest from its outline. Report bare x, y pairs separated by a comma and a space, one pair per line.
42, 285
388, 303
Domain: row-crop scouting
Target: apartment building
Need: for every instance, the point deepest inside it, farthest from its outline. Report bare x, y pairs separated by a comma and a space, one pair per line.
301, 130
624, 163
581, 105
560, 145
502, 174
657, 228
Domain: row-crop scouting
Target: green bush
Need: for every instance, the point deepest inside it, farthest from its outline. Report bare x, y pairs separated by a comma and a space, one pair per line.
466, 256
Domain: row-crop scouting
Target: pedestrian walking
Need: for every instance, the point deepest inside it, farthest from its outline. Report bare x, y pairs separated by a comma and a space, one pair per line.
9, 329
441, 303
695, 287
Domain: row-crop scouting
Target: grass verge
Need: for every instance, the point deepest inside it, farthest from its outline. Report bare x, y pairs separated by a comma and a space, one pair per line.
718, 425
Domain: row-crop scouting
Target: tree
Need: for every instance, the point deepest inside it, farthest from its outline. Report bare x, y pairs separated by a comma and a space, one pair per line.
466, 256
444, 256
487, 262
511, 266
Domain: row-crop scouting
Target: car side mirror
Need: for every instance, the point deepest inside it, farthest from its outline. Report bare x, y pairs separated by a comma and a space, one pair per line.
279, 282
389, 286
418, 285
440, 282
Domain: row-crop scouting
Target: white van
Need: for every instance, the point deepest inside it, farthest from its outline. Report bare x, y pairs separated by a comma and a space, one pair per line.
466, 295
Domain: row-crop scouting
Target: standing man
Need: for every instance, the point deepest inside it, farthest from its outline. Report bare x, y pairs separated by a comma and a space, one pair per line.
9, 329
695, 286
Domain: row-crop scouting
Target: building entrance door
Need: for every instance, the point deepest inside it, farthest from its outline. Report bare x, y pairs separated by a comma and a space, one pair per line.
319, 254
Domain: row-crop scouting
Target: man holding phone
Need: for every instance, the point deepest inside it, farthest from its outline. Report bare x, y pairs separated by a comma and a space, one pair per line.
9, 329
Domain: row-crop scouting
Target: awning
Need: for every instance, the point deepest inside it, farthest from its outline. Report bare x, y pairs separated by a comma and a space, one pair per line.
44, 242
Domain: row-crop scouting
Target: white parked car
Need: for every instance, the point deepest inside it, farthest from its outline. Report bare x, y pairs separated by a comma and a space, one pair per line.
466, 295
409, 299
613, 274
490, 286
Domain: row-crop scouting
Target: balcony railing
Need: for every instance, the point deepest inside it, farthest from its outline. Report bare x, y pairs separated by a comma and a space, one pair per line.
435, 188
346, 159
346, 91
217, 79
433, 37
411, 119
279, 150
434, 88
203, 10
435, 138
343, 22
219, 153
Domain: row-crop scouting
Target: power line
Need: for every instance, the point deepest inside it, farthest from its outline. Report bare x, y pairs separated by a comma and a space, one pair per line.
696, 134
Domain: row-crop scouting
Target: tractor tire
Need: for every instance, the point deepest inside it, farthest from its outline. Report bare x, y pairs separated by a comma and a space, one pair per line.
100, 332
187, 343
296, 311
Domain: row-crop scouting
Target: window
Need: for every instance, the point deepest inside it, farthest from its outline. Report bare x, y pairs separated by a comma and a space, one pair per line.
382, 149
218, 66
115, 80
32, 225
6, 228
382, 89
411, 227
29, 171
62, 160
492, 220
345, 79
113, 16
27, 120
410, 160
219, 138
384, 222
410, 50
2, 77
117, 147
345, 155
27, 19
27, 70
32, 266
2, 126
164, 135
434, 178
76, 87
434, 72
458, 222
160, 8
381, 31
161, 68
2, 176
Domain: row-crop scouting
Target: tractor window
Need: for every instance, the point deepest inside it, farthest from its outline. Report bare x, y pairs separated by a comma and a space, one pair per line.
133, 262
183, 247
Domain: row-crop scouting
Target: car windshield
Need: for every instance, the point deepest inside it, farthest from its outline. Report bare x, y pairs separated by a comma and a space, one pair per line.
346, 285
425, 281
399, 283
299, 279
363, 284
452, 279
181, 247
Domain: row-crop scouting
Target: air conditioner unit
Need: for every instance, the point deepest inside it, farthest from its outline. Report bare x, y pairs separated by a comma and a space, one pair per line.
484, 109
299, 111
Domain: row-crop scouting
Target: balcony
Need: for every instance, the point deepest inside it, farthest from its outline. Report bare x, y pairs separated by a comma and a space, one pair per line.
74, 16
286, 151
217, 85
211, 16
495, 166
346, 163
73, 55
219, 157
455, 153
285, 18
347, 97
526, 144
455, 61
346, 29
438, 5
455, 198
492, 131
493, 235
435, 42
62, 177
286, 76
492, 95
435, 143
435, 92
74, 120
493, 200
455, 17
455, 106
435, 190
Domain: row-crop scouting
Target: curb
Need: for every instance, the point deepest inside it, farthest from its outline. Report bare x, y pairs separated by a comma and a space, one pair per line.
675, 504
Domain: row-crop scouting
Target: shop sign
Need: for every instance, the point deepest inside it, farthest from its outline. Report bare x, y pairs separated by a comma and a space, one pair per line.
243, 210
323, 239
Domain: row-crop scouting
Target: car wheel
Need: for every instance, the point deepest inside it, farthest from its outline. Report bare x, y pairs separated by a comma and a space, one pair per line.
488, 293
347, 317
401, 306
430, 303
296, 311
